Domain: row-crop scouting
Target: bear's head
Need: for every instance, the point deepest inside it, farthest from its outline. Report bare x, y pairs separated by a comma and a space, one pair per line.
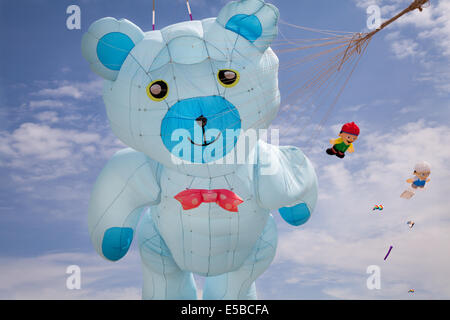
187, 94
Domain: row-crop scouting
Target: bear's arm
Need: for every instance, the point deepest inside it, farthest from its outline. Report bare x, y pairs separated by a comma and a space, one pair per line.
286, 181
127, 184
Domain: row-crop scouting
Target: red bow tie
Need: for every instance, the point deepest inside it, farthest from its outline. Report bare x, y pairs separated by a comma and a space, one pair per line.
192, 198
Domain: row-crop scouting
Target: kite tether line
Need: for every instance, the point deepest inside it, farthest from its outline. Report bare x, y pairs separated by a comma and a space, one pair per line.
189, 9
154, 14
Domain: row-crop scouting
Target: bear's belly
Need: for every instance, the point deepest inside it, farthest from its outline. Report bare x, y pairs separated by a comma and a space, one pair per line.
209, 240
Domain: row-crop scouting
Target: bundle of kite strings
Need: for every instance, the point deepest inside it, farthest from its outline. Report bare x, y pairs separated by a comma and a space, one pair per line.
326, 72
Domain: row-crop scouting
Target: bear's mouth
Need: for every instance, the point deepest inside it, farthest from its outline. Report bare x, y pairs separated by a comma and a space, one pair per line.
204, 144
203, 121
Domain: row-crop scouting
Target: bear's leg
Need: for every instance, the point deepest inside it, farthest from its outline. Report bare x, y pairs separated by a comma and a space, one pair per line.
163, 279
177, 285
240, 284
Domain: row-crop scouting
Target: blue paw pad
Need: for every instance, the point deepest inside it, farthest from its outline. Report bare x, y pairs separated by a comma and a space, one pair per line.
116, 242
296, 215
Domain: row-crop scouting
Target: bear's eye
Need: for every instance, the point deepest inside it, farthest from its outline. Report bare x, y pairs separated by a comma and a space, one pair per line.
157, 90
228, 78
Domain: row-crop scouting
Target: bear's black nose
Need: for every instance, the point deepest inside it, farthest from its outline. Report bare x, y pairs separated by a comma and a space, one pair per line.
201, 121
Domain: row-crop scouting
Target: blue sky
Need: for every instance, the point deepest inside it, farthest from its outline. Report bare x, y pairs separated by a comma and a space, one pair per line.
55, 138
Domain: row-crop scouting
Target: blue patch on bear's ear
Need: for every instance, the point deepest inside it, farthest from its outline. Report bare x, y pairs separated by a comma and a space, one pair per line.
116, 242
248, 26
107, 44
113, 48
296, 215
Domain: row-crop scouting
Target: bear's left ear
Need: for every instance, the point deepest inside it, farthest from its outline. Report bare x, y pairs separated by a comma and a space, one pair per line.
107, 44
254, 20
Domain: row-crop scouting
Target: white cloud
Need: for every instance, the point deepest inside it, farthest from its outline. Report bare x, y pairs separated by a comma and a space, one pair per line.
433, 23
44, 277
47, 143
404, 48
354, 108
47, 116
41, 152
46, 103
62, 91
69, 89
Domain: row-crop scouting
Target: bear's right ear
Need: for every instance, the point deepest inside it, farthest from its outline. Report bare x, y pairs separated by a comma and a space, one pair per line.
107, 44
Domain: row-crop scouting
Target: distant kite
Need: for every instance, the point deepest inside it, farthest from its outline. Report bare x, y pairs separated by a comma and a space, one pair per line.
388, 253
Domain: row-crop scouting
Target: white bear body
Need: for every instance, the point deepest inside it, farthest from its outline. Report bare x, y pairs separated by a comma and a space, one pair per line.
213, 240
195, 88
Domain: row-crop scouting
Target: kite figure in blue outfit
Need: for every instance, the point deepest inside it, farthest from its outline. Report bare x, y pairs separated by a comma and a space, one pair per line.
422, 171
184, 99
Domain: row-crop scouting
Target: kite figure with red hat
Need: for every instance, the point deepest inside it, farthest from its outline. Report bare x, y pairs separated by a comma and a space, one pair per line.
349, 133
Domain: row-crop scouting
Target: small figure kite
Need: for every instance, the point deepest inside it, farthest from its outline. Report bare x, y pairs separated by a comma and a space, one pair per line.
410, 224
411, 291
349, 133
378, 207
422, 171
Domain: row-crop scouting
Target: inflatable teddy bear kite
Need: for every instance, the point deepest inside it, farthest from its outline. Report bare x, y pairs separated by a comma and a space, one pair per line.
185, 99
